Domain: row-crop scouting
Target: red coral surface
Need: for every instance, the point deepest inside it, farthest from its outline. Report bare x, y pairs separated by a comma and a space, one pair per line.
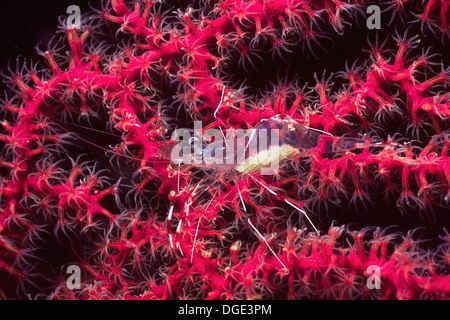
87, 178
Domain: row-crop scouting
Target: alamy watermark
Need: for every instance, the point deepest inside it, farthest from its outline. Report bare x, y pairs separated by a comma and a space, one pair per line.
374, 278
74, 19
374, 20
256, 147
74, 280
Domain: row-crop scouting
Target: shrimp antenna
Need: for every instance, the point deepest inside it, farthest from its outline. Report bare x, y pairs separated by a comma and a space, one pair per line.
220, 103
321, 131
287, 201
93, 130
90, 142
256, 230
198, 226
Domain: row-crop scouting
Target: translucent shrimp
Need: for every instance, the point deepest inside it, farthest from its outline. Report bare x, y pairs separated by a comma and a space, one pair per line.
244, 151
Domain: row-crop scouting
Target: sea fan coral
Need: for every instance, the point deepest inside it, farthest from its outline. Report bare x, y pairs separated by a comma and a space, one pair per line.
88, 177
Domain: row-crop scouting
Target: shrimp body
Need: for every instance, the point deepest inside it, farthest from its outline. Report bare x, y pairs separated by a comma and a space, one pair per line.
273, 140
